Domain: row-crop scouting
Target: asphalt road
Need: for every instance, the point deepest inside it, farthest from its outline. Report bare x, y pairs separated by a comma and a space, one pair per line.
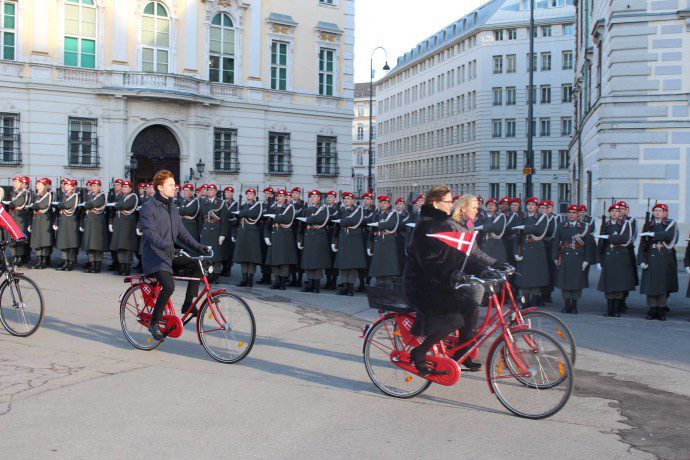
77, 388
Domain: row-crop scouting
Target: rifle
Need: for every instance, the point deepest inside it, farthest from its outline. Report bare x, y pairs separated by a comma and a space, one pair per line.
602, 245
645, 243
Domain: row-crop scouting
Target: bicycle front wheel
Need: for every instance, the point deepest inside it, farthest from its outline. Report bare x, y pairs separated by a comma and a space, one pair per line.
380, 342
131, 306
226, 328
535, 380
21, 305
552, 325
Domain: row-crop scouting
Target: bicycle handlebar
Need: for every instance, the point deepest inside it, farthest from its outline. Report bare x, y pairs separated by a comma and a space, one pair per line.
471, 280
183, 253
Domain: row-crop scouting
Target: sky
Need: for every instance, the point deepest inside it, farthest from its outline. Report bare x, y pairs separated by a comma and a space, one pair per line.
398, 25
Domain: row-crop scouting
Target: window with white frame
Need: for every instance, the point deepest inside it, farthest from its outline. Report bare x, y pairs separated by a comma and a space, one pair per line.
511, 95
221, 66
326, 71
495, 160
225, 151
497, 96
155, 38
566, 126
279, 153
567, 60
511, 63
563, 159
326, 156
498, 64
495, 190
80, 33
511, 189
83, 142
546, 61
512, 34
567, 92
279, 67
498, 35
568, 29
545, 127
8, 29
510, 127
546, 159
511, 156
545, 31
545, 190
545, 91
10, 141
496, 128
564, 193
360, 132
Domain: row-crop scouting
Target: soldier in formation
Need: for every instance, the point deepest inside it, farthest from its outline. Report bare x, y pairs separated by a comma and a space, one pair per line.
314, 242
383, 246
214, 225
248, 242
67, 224
348, 245
280, 239
571, 258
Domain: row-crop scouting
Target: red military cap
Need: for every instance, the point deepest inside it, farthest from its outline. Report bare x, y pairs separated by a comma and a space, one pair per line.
456, 197
18, 179
72, 182
314, 193
491, 200
331, 193
367, 195
142, 185
150, 184
662, 206
204, 187
516, 200
119, 181
384, 198
269, 189
26, 180
229, 188
532, 199
200, 188
623, 204
614, 206
212, 186
96, 182
282, 191
542, 203
582, 207
177, 186
420, 196
480, 198
66, 180
184, 187
573, 207
250, 190
549, 203
128, 183
44, 181
400, 200
505, 199
350, 194
296, 189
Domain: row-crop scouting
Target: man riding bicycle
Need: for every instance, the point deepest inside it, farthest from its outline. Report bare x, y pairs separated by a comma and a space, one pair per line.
161, 227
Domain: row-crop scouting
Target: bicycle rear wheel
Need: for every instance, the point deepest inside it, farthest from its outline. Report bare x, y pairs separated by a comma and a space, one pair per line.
537, 381
381, 340
131, 305
554, 326
21, 305
226, 328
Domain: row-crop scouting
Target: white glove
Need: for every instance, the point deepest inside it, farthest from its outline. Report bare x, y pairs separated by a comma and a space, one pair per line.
267, 241
336, 221
29, 206
644, 266
373, 224
81, 229
369, 253
518, 258
110, 228
220, 240
28, 229
334, 249
299, 246
302, 219
584, 265
236, 213
6, 202
80, 205
647, 234
603, 237
232, 239
109, 205
479, 227
519, 227
270, 216
687, 270
55, 227
599, 267
139, 232
411, 225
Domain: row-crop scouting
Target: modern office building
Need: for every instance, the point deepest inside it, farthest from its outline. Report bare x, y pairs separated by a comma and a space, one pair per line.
360, 139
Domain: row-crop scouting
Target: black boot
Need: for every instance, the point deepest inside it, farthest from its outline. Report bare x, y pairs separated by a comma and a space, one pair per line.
250, 280
89, 267
566, 309
307, 287
155, 331
650, 313
350, 289
127, 270
610, 308
618, 307
62, 266
316, 286
300, 275
225, 270
361, 287
282, 282
97, 267
343, 289
293, 280
573, 306
662, 314
243, 283
276, 283
70, 266
39, 260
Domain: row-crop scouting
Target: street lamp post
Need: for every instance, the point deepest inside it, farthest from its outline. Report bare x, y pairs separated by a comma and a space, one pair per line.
371, 111
529, 164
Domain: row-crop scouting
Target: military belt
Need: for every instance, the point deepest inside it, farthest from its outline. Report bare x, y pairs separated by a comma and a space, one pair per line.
212, 221
188, 217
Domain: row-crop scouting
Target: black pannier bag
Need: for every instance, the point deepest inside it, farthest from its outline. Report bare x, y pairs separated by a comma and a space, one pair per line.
388, 296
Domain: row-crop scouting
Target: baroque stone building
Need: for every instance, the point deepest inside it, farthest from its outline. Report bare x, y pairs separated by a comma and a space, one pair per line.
253, 92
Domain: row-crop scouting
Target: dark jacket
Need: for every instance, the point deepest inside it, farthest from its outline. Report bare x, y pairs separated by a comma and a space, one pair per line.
161, 226
431, 264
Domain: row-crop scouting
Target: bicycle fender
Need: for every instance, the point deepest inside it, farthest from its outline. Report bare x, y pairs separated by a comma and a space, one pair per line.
369, 327
218, 291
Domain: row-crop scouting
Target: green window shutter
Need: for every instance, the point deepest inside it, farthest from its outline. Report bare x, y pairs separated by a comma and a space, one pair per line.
71, 51
88, 54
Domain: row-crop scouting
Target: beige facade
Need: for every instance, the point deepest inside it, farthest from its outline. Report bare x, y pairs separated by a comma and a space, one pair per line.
360, 139
260, 91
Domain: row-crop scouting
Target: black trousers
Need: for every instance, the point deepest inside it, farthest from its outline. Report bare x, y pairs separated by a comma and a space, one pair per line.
165, 279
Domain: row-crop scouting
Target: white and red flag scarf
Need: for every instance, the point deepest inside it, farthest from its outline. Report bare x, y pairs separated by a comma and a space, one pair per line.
462, 241
8, 224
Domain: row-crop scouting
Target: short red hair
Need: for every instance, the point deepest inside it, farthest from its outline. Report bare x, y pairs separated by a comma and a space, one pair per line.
160, 177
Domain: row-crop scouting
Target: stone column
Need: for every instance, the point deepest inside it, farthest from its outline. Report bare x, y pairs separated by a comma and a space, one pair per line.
40, 47
255, 44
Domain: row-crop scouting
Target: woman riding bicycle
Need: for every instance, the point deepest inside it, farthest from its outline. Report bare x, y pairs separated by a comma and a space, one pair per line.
432, 270
161, 227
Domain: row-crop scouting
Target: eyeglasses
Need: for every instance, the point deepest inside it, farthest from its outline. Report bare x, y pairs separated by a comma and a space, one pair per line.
446, 201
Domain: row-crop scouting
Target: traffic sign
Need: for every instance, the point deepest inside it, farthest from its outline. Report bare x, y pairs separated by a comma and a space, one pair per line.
526, 171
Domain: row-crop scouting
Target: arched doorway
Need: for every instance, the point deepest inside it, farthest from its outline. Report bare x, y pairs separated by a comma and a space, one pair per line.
155, 148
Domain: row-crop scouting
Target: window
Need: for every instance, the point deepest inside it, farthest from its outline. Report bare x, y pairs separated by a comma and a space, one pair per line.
225, 152
534, 62
498, 64
546, 61
8, 16
495, 190
534, 94
279, 154
497, 126
567, 92
497, 96
10, 145
222, 47
360, 132
80, 33
566, 126
512, 34
568, 29
495, 158
498, 35
567, 60
564, 193
155, 38
545, 190
545, 127
360, 110
512, 159
545, 161
359, 184
360, 159
329, 2
83, 142
545, 94
326, 71
534, 127
511, 190
510, 95
279, 65
563, 159
510, 127
326, 156
545, 31
511, 63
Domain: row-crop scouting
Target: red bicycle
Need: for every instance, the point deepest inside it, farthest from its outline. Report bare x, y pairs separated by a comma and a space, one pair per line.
526, 369
225, 324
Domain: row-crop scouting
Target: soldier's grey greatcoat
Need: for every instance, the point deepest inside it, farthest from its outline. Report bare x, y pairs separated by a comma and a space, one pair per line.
95, 236
554, 221
248, 241
68, 223
631, 247
316, 252
41, 226
22, 217
189, 213
351, 252
215, 224
401, 237
492, 233
385, 260
228, 248
529, 244
569, 248
686, 262
617, 274
658, 278
124, 236
283, 249
513, 219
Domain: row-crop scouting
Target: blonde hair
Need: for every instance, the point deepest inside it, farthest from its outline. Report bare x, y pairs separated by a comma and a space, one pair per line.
464, 202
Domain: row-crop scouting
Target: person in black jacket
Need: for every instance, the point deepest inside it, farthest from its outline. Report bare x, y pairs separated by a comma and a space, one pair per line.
433, 268
161, 227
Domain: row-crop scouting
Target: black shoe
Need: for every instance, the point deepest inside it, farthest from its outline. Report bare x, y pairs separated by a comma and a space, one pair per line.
127, 270
185, 309
307, 287
471, 366
250, 279
573, 307
282, 282
361, 287
62, 266
225, 271
276, 283
343, 289
350, 289
155, 331
293, 280
70, 266
113, 267
243, 283
316, 286
37, 265
96, 267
